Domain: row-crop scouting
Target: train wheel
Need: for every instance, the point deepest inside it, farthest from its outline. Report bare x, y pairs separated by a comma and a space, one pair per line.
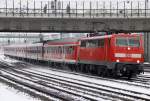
105, 72
80, 67
88, 69
98, 71
114, 75
131, 75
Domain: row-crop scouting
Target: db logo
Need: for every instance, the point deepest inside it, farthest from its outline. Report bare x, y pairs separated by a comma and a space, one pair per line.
128, 55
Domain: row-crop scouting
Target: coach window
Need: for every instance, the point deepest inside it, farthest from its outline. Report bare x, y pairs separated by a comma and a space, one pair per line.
83, 43
50, 49
47, 49
55, 50
32, 49
59, 49
101, 43
70, 49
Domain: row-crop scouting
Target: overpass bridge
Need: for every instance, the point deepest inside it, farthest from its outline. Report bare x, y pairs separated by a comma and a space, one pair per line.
54, 16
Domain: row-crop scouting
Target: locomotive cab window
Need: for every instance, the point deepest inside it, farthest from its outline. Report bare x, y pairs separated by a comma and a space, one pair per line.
135, 42
126, 41
121, 42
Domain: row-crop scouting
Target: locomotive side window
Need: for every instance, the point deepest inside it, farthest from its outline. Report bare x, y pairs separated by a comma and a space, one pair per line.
83, 43
93, 43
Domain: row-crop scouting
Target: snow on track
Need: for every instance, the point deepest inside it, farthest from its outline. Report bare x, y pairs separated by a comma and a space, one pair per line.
97, 81
10, 94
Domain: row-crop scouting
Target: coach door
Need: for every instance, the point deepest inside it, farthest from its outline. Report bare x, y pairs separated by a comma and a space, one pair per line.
63, 53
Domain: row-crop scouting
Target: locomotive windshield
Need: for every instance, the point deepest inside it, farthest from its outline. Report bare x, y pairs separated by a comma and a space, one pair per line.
128, 41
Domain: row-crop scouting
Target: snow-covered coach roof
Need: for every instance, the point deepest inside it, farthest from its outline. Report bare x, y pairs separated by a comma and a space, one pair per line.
109, 36
63, 41
25, 45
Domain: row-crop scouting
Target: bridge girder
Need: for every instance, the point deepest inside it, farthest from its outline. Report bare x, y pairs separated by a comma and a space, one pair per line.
8, 24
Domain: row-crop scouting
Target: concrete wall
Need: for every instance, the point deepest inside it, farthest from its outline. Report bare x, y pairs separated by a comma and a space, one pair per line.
74, 24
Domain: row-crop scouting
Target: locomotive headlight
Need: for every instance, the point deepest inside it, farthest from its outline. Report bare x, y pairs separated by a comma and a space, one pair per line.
117, 60
129, 48
138, 61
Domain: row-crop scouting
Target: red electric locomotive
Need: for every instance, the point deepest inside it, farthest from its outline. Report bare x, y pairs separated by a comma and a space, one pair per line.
109, 55
115, 55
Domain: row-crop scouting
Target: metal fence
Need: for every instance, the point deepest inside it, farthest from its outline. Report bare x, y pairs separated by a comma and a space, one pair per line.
75, 9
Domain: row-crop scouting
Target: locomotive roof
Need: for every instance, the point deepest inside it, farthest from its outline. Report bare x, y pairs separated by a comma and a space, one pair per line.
109, 36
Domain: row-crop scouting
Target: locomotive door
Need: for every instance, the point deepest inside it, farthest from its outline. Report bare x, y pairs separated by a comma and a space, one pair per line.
107, 49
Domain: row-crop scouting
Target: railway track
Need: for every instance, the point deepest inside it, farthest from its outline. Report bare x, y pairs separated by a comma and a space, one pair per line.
65, 94
27, 89
104, 87
147, 67
141, 80
84, 89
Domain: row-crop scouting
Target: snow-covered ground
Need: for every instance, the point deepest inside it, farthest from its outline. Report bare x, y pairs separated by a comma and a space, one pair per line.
97, 81
10, 94
6, 59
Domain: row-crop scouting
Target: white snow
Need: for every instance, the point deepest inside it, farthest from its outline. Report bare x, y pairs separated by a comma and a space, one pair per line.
6, 59
10, 94
99, 81
146, 63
